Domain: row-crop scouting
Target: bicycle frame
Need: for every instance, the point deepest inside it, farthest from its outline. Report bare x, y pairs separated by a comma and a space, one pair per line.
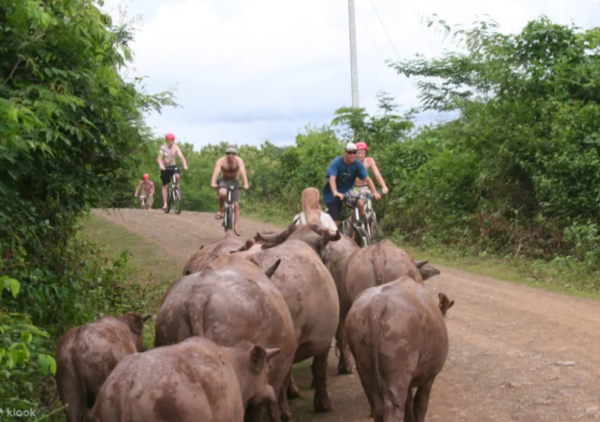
172, 187
229, 205
357, 224
363, 230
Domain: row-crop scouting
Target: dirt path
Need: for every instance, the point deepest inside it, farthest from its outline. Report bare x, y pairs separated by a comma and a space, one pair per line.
516, 353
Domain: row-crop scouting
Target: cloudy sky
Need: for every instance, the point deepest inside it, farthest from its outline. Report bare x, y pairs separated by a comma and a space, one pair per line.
247, 71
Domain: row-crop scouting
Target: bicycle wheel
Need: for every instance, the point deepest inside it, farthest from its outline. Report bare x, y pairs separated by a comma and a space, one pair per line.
225, 223
375, 234
230, 217
361, 234
177, 200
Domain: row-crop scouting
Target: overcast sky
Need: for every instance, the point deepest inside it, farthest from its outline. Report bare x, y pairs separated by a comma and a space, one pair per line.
247, 71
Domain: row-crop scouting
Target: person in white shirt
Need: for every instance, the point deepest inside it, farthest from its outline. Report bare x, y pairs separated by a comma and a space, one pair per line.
311, 211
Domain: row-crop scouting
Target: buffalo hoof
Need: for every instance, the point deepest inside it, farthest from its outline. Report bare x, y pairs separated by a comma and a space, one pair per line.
323, 406
286, 417
293, 393
344, 368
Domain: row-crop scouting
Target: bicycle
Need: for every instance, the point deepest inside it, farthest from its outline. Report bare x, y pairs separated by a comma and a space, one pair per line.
174, 195
142, 202
371, 217
229, 209
364, 231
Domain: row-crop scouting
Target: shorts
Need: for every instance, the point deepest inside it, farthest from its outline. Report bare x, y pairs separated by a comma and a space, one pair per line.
224, 184
149, 199
165, 175
360, 190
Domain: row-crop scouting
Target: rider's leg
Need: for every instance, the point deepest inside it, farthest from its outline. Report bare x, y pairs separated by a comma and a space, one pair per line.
222, 198
165, 191
237, 218
333, 209
361, 207
164, 178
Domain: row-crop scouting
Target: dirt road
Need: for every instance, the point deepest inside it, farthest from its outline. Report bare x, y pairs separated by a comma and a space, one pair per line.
516, 353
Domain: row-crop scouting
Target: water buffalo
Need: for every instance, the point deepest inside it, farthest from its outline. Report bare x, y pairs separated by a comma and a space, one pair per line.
86, 355
309, 292
381, 263
228, 301
212, 252
196, 380
335, 257
397, 335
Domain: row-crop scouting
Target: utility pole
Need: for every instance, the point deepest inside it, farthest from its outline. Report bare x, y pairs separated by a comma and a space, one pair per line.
353, 65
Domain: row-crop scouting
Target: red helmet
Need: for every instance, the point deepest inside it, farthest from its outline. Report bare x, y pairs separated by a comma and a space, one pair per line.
362, 145
146, 176
170, 137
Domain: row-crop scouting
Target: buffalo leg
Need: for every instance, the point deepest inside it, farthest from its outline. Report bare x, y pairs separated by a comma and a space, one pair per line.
284, 408
319, 372
253, 413
421, 401
344, 364
292, 389
408, 407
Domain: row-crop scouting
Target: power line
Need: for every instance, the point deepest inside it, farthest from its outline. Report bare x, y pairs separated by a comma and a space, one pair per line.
371, 35
384, 28
376, 45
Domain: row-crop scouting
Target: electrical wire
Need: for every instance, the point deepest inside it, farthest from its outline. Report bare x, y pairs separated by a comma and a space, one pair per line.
385, 29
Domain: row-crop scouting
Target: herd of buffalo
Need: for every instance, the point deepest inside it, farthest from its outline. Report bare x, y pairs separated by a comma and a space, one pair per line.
230, 329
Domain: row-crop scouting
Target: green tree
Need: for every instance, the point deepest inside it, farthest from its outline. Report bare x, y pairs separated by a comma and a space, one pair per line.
529, 121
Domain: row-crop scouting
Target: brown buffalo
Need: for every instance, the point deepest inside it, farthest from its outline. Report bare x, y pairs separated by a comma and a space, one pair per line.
208, 254
381, 263
86, 355
372, 266
196, 380
229, 301
309, 292
212, 252
445, 303
399, 341
335, 257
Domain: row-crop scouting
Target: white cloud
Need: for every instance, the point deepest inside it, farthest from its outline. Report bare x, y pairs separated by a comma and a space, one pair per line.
250, 70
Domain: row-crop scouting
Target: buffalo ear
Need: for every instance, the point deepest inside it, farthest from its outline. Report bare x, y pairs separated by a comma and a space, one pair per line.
258, 359
427, 271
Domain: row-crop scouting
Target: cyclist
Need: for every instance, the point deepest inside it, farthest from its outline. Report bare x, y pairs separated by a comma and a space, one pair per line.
147, 187
341, 173
232, 166
360, 187
166, 162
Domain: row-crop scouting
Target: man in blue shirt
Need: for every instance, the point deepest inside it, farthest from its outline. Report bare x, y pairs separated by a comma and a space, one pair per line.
341, 174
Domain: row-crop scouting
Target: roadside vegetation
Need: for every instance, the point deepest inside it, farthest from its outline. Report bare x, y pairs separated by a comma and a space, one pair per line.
514, 179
